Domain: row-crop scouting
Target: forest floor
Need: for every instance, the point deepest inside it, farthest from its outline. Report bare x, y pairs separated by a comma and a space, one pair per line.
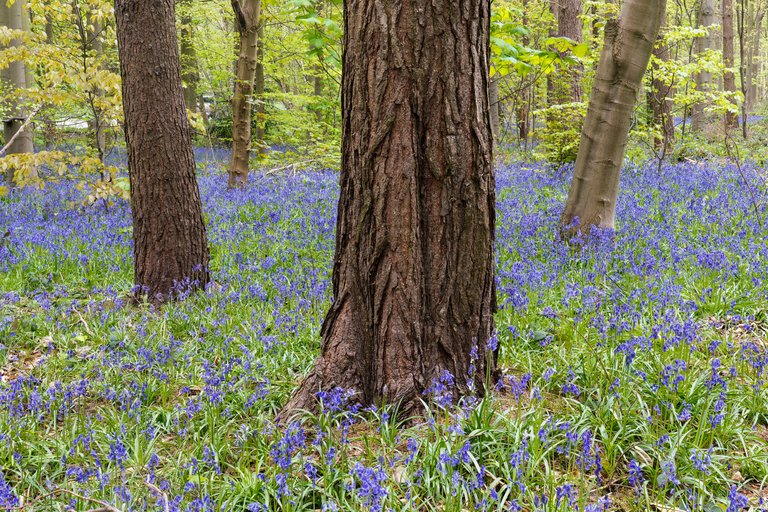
634, 368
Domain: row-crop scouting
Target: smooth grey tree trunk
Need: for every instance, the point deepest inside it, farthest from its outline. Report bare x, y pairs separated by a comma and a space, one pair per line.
15, 76
628, 45
706, 18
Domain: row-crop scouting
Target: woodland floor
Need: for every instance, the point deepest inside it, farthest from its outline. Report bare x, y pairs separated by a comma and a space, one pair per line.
635, 367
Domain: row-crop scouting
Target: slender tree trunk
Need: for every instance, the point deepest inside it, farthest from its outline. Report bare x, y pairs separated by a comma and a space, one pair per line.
493, 95
729, 80
569, 25
744, 79
189, 74
15, 75
628, 45
754, 56
97, 123
706, 18
413, 277
659, 98
258, 93
170, 246
247, 14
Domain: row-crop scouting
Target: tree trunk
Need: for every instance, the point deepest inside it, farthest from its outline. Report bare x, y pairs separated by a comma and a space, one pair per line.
413, 277
744, 79
258, 93
660, 100
753, 57
15, 75
628, 45
247, 14
569, 25
493, 98
706, 18
189, 74
170, 246
97, 123
729, 80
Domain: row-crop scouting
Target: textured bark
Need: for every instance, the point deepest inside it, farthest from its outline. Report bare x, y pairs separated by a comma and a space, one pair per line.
413, 276
660, 99
729, 80
493, 98
170, 246
706, 18
247, 14
628, 45
15, 76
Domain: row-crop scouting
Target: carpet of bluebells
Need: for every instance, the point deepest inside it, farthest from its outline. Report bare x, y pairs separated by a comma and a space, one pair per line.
634, 364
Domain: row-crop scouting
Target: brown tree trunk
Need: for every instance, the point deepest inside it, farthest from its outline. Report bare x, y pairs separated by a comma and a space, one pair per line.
706, 18
742, 25
15, 75
569, 25
628, 45
247, 14
413, 277
170, 246
753, 56
493, 98
660, 100
729, 80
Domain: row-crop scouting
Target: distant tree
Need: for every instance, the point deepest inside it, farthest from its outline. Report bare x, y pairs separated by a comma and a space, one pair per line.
629, 41
170, 245
16, 76
729, 80
413, 277
659, 97
706, 18
247, 13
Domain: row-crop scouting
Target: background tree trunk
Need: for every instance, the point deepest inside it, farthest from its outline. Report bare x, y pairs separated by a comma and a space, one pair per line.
706, 18
258, 92
628, 44
15, 75
569, 25
247, 14
189, 74
413, 277
729, 80
170, 246
660, 98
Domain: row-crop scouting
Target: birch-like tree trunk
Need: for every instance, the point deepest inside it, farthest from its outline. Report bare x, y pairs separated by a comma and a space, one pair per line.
628, 45
706, 18
15, 77
247, 13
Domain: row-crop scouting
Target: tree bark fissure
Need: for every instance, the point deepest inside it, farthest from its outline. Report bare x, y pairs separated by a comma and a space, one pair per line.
413, 279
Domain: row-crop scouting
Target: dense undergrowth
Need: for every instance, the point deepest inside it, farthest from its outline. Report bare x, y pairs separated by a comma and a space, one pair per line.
634, 367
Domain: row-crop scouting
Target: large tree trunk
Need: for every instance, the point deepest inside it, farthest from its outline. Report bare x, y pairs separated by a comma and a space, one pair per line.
15, 75
729, 80
413, 277
660, 98
628, 44
170, 246
706, 18
247, 14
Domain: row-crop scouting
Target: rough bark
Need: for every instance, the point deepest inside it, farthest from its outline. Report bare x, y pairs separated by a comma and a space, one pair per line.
170, 246
628, 45
706, 18
660, 98
729, 80
247, 14
15, 76
413, 276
